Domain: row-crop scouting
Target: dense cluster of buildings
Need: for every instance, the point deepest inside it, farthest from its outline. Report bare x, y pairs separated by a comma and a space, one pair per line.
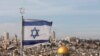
9, 46
41, 50
77, 47
83, 47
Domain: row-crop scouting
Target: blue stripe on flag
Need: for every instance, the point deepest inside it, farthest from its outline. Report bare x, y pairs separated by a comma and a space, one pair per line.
32, 42
37, 23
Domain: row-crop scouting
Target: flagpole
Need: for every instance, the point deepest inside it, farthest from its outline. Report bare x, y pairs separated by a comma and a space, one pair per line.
22, 32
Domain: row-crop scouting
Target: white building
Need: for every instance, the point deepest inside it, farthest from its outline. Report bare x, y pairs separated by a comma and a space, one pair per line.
67, 38
5, 41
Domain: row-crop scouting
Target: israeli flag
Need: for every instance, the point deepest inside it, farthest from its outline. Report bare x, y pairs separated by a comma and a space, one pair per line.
36, 31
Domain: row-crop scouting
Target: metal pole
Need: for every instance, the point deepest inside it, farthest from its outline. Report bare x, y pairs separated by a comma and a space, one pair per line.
22, 32
22, 36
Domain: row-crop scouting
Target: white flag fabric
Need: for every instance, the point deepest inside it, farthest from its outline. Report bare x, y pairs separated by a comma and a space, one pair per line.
36, 31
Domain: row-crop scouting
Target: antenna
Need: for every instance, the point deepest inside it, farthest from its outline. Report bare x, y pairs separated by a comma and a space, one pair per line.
22, 11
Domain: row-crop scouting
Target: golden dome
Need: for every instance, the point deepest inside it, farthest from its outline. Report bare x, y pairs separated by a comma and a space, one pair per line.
63, 50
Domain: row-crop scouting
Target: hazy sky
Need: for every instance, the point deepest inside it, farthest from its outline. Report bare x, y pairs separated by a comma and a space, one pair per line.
79, 18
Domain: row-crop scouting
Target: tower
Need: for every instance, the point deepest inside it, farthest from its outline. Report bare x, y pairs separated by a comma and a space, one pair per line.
6, 36
15, 39
54, 35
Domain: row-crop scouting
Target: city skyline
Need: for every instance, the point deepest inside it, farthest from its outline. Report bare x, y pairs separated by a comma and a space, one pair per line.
70, 18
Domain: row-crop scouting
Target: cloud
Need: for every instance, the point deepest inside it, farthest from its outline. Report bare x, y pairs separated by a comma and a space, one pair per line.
48, 8
52, 8
49, 11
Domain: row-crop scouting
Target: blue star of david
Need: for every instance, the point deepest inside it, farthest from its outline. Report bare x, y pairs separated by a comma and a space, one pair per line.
34, 32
